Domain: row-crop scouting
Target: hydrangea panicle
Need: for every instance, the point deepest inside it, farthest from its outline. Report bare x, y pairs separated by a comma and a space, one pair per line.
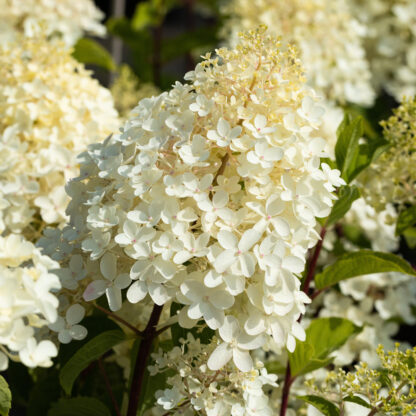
206, 190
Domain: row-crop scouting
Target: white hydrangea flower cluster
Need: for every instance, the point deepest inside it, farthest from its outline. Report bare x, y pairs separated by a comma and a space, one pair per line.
209, 197
390, 43
193, 387
328, 36
27, 305
51, 109
65, 19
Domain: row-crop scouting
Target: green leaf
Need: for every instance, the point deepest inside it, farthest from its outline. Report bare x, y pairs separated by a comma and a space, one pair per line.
360, 263
357, 400
186, 42
328, 334
323, 336
45, 391
406, 219
88, 353
303, 361
410, 237
324, 406
79, 406
347, 195
275, 367
88, 51
346, 150
5, 397
145, 15
95, 325
356, 236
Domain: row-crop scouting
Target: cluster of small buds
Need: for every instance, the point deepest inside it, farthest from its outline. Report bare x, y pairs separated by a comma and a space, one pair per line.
26, 303
65, 19
209, 197
328, 36
392, 177
51, 109
194, 387
390, 43
389, 390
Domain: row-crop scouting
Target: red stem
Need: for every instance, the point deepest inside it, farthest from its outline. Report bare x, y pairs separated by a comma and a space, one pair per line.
305, 288
108, 386
149, 334
286, 390
313, 261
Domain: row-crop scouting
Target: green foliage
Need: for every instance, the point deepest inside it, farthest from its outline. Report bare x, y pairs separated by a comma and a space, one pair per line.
323, 336
79, 406
406, 219
410, 237
88, 353
88, 51
357, 400
5, 397
95, 325
324, 406
361, 263
353, 153
45, 391
355, 235
347, 195
346, 150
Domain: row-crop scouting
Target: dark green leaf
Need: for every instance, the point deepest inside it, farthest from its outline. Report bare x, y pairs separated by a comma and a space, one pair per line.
45, 391
88, 353
406, 219
360, 263
347, 195
186, 42
346, 150
88, 51
357, 400
324, 406
356, 236
410, 237
5, 397
95, 325
79, 406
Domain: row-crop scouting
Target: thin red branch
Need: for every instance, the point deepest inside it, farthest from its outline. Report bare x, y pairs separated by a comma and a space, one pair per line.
119, 319
149, 334
108, 386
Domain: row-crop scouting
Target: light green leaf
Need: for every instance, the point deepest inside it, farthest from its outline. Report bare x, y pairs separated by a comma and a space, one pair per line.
357, 400
328, 334
88, 51
79, 406
5, 397
406, 219
347, 195
145, 15
323, 336
360, 263
275, 367
88, 353
324, 406
303, 360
